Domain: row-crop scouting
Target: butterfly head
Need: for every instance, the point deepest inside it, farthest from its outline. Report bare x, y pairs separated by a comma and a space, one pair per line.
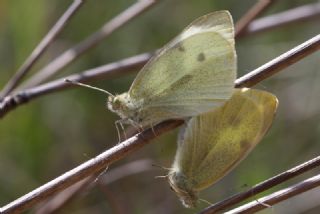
183, 188
121, 104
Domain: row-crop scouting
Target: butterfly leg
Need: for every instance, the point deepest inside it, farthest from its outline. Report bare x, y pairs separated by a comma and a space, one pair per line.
137, 126
263, 204
101, 174
118, 132
119, 122
123, 130
153, 131
161, 176
163, 168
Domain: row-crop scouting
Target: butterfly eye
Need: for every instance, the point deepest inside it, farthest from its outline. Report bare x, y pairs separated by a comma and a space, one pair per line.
116, 103
113, 103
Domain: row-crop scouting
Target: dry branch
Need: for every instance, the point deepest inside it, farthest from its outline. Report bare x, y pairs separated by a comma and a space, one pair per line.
73, 53
41, 47
276, 197
280, 63
62, 198
116, 68
298, 14
88, 168
252, 14
267, 184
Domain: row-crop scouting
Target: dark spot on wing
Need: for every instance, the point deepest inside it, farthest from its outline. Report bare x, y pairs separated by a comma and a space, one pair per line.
180, 47
201, 57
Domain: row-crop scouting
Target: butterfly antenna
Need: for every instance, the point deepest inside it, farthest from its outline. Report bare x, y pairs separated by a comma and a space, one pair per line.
205, 201
161, 167
161, 176
88, 86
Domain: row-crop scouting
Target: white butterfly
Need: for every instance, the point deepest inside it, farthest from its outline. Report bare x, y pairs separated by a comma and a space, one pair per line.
192, 74
213, 143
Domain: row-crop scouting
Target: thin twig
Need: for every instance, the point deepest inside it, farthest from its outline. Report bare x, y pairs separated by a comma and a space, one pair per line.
298, 14
280, 63
88, 168
64, 197
71, 54
133, 143
253, 13
56, 203
67, 195
267, 184
125, 170
41, 47
113, 69
276, 197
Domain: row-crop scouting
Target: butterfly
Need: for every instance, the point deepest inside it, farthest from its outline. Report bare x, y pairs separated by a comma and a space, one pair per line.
212, 144
192, 74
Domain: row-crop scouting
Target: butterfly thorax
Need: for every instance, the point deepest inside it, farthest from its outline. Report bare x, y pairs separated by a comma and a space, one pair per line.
125, 107
183, 188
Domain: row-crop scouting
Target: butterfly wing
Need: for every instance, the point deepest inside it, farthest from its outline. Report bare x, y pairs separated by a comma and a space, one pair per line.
214, 143
191, 74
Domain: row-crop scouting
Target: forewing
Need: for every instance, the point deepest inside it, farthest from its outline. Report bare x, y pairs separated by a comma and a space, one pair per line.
194, 72
215, 142
219, 21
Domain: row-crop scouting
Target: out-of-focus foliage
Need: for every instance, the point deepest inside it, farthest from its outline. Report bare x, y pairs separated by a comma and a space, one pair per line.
55, 133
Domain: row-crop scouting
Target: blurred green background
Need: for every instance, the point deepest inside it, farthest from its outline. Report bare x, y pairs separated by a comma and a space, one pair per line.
55, 133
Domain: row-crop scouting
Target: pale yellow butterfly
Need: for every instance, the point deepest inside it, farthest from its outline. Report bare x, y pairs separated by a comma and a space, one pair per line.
212, 144
192, 74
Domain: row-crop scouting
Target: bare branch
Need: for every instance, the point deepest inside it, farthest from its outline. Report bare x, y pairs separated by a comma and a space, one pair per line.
58, 201
90, 167
281, 195
41, 47
298, 14
62, 198
253, 13
117, 68
73, 53
271, 182
280, 63
125, 170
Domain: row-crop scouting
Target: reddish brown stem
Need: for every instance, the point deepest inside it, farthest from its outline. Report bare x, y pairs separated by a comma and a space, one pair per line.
41, 47
88, 168
253, 13
271, 182
281, 62
73, 53
281, 195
